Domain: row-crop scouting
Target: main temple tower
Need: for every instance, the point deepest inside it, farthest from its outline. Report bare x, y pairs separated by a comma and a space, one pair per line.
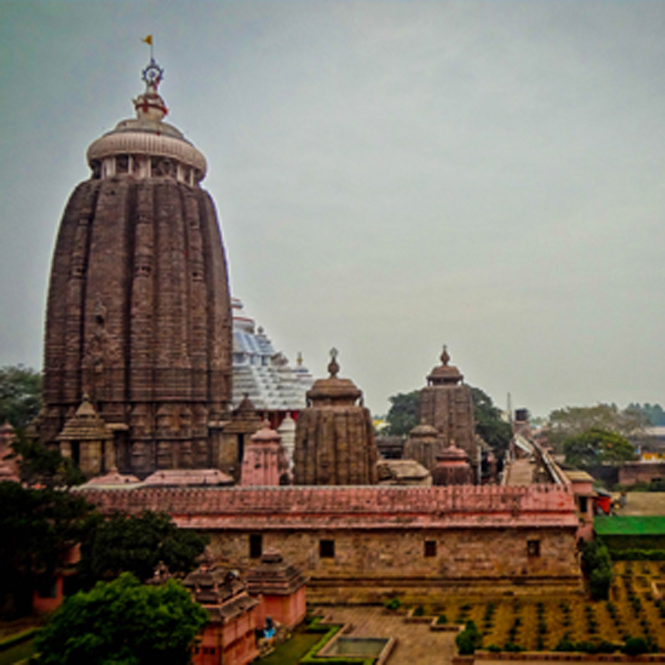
138, 315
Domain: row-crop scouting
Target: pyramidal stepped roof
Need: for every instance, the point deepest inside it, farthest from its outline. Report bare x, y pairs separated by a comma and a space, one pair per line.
85, 425
260, 372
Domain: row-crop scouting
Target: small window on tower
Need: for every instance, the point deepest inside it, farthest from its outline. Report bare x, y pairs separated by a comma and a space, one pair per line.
327, 549
255, 545
430, 548
533, 547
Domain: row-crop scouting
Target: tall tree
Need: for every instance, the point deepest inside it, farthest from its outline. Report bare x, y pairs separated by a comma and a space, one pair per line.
654, 413
20, 394
403, 414
137, 545
490, 425
123, 622
38, 527
44, 467
597, 446
571, 421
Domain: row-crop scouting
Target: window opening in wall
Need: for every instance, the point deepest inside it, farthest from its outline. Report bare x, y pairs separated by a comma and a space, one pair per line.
583, 504
430, 548
327, 549
255, 545
533, 547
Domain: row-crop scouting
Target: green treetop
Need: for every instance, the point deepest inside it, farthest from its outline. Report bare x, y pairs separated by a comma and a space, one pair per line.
123, 622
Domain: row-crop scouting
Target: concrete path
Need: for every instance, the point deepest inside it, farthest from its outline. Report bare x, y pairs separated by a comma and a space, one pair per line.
416, 643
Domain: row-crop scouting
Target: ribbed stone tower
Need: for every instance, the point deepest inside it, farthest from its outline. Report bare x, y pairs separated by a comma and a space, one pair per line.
334, 435
138, 313
446, 404
423, 445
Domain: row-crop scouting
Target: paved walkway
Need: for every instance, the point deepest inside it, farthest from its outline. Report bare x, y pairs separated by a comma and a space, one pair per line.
416, 643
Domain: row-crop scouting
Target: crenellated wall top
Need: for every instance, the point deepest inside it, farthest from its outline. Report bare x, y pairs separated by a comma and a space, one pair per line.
350, 506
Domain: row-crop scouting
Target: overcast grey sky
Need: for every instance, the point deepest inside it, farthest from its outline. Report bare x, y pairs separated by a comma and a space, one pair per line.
390, 176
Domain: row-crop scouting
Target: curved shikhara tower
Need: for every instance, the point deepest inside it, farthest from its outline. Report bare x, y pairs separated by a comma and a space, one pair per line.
138, 315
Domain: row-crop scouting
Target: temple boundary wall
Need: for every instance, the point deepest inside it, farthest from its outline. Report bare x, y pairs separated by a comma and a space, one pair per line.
348, 506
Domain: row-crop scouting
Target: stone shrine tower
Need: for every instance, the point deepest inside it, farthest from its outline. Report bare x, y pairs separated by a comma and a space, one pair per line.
452, 468
264, 461
334, 435
423, 445
446, 404
138, 314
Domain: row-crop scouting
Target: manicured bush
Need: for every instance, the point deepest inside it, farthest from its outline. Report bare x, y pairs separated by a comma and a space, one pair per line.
393, 604
564, 645
634, 646
468, 640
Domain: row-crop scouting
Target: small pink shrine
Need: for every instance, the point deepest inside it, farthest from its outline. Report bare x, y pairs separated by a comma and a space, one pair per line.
229, 635
265, 462
281, 587
452, 467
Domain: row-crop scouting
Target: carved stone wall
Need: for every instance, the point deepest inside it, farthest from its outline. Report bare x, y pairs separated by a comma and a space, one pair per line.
446, 404
335, 435
138, 317
363, 543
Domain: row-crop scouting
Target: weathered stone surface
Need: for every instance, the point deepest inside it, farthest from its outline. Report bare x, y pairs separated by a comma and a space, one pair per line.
446, 404
379, 534
265, 462
138, 312
423, 445
335, 436
452, 467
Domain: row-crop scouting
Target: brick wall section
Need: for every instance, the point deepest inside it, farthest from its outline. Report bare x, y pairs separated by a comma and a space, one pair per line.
644, 472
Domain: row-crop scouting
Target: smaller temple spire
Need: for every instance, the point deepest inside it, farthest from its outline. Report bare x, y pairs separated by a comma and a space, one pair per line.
333, 366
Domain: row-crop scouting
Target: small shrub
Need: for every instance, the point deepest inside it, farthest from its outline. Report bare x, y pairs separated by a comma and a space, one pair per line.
468, 640
393, 604
511, 647
441, 619
419, 611
494, 648
564, 645
635, 646
607, 647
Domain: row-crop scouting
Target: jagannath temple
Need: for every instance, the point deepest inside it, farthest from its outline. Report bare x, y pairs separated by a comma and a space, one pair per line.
148, 372
138, 318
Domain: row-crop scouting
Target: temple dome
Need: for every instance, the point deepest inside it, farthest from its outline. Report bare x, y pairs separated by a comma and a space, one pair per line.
333, 390
445, 373
126, 149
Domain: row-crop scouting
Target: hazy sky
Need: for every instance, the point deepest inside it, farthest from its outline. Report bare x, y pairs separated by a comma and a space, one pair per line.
390, 176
